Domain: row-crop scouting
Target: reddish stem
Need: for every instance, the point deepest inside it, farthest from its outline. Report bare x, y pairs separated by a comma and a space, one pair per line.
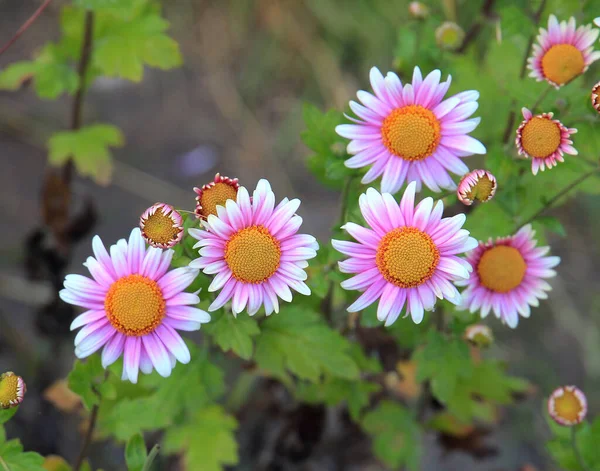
25, 26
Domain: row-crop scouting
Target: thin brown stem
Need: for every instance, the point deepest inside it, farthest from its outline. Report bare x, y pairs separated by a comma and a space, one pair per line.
475, 29
25, 26
88, 438
558, 196
538, 102
82, 69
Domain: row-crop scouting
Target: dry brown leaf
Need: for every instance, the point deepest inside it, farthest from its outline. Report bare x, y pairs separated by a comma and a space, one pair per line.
62, 397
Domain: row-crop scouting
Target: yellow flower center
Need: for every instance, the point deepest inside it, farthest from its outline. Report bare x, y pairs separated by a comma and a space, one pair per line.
407, 257
501, 268
562, 63
215, 196
9, 390
252, 254
540, 137
568, 406
411, 132
482, 190
159, 228
135, 305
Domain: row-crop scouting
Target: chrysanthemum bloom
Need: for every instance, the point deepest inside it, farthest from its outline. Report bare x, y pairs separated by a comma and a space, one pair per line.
596, 97
12, 390
408, 256
161, 225
567, 405
418, 10
563, 52
508, 276
408, 132
479, 335
449, 36
477, 185
214, 194
544, 140
135, 307
253, 248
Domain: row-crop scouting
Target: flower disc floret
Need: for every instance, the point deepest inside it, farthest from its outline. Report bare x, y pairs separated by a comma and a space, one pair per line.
596, 97
476, 185
12, 390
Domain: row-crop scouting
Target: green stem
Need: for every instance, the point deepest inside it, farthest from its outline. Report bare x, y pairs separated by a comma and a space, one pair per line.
558, 196
543, 95
578, 456
426, 396
151, 457
327, 304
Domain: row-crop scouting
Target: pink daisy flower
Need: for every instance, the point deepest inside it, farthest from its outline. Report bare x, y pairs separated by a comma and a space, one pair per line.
476, 185
407, 133
408, 256
215, 193
596, 97
135, 307
567, 406
563, 52
253, 248
544, 140
508, 277
161, 226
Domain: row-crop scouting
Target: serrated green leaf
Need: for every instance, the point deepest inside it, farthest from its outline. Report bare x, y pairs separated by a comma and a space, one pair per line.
552, 224
51, 72
297, 339
84, 377
13, 458
89, 149
445, 362
207, 440
396, 436
233, 333
157, 402
123, 48
135, 453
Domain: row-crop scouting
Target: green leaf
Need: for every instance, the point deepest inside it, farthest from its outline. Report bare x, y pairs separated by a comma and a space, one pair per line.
396, 436
552, 224
7, 414
157, 402
297, 339
122, 48
120, 8
327, 164
445, 361
232, 333
13, 458
135, 453
89, 149
207, 439
83, 378
333, 391
51, 72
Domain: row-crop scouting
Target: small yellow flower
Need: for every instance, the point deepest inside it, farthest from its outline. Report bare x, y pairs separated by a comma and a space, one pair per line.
476, 185
215, 193
161, 226
567, 405
12, 390
449, 36
479, 335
